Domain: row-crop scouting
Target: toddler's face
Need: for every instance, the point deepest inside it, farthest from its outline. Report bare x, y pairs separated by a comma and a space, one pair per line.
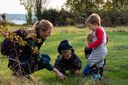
66, 54
91, 26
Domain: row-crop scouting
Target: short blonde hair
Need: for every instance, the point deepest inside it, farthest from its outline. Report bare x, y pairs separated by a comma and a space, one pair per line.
93, 19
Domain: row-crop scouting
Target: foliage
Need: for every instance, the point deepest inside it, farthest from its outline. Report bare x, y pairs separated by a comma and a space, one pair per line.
34, 7
114, 17
58, 18
113, 12
28, 6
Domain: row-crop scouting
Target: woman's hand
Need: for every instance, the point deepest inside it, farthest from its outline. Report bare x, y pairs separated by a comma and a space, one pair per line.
59, 74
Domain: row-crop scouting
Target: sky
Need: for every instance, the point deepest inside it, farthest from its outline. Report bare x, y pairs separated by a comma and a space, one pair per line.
14, 7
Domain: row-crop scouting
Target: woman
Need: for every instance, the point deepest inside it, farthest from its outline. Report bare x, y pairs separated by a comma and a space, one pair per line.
26, 59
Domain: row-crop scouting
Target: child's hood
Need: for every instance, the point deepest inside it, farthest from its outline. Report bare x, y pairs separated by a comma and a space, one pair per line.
65, 45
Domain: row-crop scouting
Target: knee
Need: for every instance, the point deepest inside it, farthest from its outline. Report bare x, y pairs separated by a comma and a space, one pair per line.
87, 70
46, 56
94, 69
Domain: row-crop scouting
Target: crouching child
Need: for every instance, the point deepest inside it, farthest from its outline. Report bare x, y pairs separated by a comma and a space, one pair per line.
67, 59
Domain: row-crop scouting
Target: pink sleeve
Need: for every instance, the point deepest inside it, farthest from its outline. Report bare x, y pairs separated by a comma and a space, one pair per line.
100, 37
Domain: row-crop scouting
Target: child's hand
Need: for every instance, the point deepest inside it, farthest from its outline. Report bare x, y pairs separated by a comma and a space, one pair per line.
59, 74
87, 46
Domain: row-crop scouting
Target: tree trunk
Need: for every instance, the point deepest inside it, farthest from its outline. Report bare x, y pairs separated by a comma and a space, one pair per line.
38, 9
29, 17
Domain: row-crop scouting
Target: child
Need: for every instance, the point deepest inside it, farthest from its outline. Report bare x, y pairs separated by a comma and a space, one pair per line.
67, 59
98, 46
89, 40
87, 52
25, 60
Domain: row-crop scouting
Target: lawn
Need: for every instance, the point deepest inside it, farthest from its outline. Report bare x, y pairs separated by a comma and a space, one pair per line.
115, 71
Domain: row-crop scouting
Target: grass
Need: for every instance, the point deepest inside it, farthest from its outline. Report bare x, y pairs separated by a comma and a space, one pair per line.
116, 69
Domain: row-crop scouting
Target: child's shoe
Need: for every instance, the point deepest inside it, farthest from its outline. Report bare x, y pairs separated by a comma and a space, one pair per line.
96, 76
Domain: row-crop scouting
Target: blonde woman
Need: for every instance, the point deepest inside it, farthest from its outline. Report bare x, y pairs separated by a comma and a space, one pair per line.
24, 60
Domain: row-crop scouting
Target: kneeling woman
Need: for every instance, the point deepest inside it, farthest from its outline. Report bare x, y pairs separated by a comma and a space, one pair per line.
24, 60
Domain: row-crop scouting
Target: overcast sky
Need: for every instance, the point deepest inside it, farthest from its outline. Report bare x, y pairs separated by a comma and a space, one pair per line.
14, 7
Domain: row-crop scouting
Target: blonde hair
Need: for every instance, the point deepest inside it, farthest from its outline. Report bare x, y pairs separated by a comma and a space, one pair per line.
43, 25
93, 19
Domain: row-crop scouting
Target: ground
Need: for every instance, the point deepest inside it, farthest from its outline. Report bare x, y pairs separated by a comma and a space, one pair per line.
116, 69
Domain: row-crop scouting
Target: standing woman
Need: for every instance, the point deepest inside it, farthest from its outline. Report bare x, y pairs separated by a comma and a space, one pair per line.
24, 60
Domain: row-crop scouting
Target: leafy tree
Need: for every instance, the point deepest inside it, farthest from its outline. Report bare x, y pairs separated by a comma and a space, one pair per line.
34, 6
58, 18
28, 6
51, 15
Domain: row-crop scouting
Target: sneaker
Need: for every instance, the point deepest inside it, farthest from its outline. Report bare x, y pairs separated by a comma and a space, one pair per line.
96, 76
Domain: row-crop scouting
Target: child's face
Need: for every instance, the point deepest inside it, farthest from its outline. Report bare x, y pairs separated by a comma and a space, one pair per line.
45, 34
92, 26
66, 54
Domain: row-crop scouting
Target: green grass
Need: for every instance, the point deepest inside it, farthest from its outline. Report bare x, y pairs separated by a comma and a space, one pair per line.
116, 69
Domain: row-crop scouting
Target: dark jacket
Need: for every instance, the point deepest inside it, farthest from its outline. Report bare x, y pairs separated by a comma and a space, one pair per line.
63, 64
27, 59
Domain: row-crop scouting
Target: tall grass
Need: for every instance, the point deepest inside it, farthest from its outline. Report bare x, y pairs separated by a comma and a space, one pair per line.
115, 71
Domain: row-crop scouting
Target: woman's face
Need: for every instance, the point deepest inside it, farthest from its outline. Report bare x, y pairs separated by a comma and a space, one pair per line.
45, 34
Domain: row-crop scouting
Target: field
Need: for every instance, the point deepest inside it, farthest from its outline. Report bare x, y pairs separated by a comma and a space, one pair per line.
115, 71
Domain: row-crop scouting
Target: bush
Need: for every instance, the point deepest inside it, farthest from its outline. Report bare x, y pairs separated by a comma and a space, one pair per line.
109, 18
114, 17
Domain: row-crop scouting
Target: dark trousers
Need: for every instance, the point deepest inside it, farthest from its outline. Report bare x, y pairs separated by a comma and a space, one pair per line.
28, 66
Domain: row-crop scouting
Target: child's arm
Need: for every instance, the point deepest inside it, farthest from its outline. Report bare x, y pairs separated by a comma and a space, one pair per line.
59, 74
77, 62
100, 36
57, 62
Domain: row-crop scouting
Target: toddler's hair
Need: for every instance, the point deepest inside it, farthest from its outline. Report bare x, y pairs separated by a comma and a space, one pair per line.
93, 19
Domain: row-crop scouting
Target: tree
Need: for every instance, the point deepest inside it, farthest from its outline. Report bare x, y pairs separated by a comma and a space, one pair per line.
80, 7
34, 6
28, 6
40, 6
51, 15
